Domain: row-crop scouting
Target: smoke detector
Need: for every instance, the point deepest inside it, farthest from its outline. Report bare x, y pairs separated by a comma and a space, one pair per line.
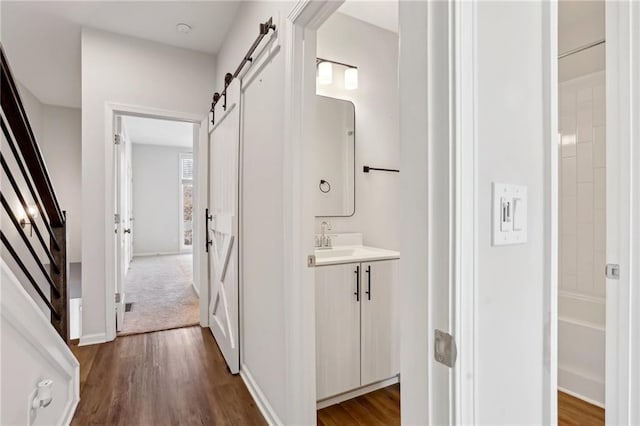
183, 28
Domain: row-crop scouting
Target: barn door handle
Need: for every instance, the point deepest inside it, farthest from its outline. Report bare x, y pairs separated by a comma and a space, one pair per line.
207, 218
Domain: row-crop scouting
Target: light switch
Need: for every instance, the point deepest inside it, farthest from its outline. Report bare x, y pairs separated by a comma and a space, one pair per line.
509, 214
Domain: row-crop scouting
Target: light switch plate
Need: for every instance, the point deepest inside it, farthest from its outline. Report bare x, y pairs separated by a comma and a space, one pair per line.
509, 214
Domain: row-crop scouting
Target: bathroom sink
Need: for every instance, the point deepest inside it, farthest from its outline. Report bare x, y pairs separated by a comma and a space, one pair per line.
352, 254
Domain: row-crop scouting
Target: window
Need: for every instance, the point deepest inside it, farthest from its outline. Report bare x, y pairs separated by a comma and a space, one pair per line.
186, 199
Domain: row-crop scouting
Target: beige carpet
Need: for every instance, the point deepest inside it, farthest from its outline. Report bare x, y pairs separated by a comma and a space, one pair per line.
162, 294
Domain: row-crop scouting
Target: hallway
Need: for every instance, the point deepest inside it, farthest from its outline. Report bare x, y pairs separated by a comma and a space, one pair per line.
168, 377
161, 292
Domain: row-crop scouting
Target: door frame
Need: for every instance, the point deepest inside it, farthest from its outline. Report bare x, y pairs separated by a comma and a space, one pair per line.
200, 150
299, 279
622, 381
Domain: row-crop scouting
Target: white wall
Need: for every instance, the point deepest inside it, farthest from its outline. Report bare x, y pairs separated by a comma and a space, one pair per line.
375, 52
156, 198
510, 148
263, 347
135, 72
61, 149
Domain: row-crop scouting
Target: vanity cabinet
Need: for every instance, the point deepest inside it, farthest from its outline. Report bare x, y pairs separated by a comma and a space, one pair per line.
357, 327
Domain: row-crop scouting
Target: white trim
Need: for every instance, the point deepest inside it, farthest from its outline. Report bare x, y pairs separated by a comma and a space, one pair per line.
181, 182
582, 397
23, 314
466, 201
623, 208
92, 339
328, 402
550, 190
112, 110
262, 402
167, 253
298, 218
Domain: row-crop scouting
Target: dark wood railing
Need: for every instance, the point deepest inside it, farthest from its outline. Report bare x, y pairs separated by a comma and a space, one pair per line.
25, 151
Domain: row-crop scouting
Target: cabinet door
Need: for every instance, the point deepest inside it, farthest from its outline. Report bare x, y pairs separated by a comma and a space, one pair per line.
337, 330
380, 321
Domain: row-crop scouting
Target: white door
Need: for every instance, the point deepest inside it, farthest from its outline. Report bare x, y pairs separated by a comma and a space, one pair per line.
379, 332
222, 227
119, 218
338, 295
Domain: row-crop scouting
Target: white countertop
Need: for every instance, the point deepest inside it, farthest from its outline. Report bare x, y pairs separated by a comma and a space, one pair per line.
353, 254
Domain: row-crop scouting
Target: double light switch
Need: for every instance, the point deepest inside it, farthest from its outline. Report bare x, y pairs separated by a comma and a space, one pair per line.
509, 214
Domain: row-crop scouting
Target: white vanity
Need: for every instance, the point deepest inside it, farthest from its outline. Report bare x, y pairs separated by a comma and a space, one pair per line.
357, 324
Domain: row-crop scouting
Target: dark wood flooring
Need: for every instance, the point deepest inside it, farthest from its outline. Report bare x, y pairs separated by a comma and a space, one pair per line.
576, 412
164, 378
381, 407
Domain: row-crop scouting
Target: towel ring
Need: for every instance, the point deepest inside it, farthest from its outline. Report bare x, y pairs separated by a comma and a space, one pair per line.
324, 186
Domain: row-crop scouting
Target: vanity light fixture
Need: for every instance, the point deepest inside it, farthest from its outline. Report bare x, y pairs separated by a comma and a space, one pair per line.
325, 73
351, 78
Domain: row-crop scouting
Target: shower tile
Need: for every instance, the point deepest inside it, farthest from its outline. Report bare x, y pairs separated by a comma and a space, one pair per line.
599, 146
569, 208
585, 122
585, 203
585, 162
599, 105
569, 256
599, 230
569, 174
568, 142
599, 188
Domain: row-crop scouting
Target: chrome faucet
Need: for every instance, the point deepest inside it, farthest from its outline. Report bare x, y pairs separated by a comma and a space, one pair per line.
325, 240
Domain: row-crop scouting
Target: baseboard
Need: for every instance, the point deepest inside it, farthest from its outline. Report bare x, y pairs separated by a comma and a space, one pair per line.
582, 397
327, 402
93, 339
195, 288
162, 253
265, 408
70, 410
580, 385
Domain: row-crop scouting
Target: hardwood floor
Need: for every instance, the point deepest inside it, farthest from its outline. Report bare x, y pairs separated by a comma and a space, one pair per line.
381, 407
163, 378
573, 412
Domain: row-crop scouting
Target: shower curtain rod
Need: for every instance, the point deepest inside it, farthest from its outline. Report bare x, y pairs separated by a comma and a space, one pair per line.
581, 48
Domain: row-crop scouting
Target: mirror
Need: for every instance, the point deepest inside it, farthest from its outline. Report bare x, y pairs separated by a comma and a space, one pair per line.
335, 152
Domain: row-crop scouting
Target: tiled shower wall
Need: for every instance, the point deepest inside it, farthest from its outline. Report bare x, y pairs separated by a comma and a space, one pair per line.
582, 237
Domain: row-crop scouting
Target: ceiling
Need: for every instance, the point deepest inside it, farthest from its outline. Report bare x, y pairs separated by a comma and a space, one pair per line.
152, 131
45, 35
382, 14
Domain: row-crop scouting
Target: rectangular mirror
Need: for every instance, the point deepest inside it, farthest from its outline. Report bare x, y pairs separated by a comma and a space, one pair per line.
335, 157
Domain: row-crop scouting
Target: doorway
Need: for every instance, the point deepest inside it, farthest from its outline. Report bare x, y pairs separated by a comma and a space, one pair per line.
153, 224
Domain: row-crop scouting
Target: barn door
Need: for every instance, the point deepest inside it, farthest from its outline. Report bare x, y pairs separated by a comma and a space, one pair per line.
222, 227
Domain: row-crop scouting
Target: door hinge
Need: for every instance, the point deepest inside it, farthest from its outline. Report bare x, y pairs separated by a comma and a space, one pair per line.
116, 218
445, 351
612, 271
118, 297
117, 139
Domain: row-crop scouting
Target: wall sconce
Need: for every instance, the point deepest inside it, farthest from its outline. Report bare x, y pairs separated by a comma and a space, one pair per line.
325, 73
31, 215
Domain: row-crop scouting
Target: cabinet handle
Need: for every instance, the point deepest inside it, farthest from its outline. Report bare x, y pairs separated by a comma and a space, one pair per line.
368, 283
357, 293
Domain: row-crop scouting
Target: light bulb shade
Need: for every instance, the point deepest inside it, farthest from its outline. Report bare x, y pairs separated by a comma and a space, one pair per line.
351, 78
325, 73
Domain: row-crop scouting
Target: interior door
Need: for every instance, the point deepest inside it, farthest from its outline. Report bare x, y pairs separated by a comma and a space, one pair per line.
222, 227
119, 223
380, 329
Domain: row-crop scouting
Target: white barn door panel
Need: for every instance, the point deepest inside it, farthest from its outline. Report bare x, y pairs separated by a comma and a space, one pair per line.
224, 140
